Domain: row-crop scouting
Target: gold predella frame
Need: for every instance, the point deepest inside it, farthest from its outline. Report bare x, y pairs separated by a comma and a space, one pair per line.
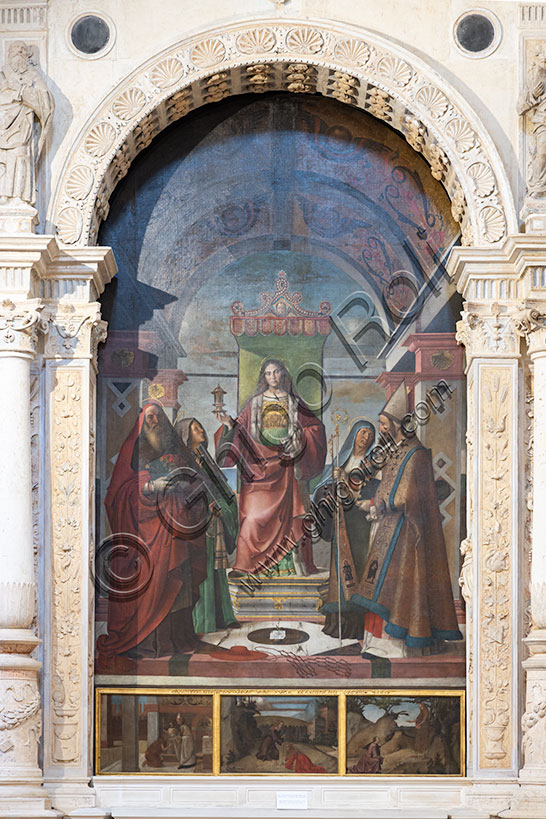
340, 694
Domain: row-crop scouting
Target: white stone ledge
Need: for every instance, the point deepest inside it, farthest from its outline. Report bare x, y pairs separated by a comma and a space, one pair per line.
126, 797
254, 813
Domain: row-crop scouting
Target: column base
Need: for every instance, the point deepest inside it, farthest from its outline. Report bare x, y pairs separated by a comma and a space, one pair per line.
26, 802
488, 798
17, 217
530, 803
536, 642
76, 799
28, 813
533, 773
533, 214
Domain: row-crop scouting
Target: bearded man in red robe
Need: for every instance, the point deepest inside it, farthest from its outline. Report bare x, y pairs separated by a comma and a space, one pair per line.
279, 445
154, 516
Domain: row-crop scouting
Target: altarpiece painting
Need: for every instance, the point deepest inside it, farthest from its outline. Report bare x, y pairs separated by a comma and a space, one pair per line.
280, 411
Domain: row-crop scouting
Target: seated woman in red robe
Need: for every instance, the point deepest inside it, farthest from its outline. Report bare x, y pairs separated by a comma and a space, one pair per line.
299, 762
279, 444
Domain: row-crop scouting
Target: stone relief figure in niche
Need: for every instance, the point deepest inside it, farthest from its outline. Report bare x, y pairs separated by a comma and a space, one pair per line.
289, 445
24, 101
532, 103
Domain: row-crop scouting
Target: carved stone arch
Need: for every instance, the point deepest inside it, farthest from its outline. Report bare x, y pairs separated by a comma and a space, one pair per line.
353, 66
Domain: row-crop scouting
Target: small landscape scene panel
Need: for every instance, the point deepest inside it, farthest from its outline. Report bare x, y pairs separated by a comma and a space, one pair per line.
155, 733
279, 734
405, 734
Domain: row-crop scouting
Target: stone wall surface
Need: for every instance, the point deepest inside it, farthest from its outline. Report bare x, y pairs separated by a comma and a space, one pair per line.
143, 30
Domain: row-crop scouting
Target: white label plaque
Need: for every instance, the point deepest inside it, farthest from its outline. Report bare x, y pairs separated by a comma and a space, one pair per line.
292, 800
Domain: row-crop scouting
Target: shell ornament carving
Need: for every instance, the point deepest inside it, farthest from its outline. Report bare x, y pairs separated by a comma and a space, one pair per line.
208, 53
354, 51
461, 134
305, 40
257, 40
395, 70
433, 100
482, 178
167, 72
129, 104
493, 223
69, 225
80, 182
101, 139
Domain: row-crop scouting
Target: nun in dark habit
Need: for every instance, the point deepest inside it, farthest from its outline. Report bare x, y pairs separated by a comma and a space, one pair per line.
350, 479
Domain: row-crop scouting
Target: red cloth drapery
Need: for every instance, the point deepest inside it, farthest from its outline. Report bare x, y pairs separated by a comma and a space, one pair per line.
300, 763
136, 609
271, 507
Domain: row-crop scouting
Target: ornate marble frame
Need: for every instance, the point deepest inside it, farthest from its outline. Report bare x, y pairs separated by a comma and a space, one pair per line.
502, 276
311, 56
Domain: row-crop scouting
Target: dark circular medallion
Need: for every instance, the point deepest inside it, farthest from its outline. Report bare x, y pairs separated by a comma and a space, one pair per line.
278, 636
475, 33
90, 34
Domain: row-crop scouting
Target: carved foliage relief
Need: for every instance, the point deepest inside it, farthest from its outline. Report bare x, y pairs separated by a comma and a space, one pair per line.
66, 627
534, 726
495, 569
20, 719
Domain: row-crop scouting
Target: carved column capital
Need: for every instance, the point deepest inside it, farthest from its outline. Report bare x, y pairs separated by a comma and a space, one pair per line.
488, 331
530, 324
75, 331
20, 326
